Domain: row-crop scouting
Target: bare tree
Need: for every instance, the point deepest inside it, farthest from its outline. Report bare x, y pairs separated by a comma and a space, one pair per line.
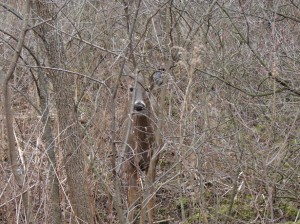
70, 137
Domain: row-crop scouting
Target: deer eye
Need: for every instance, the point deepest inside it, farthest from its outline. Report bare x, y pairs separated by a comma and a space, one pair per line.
131, 89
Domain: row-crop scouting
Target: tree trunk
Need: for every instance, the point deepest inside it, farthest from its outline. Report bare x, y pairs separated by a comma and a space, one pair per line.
55, 212
70, 141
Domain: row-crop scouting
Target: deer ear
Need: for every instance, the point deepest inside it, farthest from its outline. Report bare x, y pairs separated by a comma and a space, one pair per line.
157, 77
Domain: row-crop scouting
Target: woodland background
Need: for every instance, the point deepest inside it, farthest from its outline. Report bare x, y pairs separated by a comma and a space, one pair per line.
231, 125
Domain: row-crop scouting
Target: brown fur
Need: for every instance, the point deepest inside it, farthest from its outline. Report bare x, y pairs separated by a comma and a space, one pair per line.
140, 148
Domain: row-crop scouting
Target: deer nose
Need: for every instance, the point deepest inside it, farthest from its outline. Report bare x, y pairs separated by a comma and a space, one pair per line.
139, 105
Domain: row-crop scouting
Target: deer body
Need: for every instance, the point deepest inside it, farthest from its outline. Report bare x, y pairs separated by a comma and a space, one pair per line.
140, 149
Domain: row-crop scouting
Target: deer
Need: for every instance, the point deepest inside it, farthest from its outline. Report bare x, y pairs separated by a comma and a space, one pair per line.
143, 146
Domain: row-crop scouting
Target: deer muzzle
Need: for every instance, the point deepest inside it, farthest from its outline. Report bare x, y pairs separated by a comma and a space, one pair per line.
139, 105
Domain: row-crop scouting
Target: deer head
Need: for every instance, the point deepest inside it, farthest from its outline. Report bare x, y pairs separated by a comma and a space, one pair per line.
143, 98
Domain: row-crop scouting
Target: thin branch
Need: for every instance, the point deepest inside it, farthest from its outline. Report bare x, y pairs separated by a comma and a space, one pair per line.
17, 169
70, 72
85, 41
24, 45
285, 16
28, 100
12, 10
261, 61
240, 89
